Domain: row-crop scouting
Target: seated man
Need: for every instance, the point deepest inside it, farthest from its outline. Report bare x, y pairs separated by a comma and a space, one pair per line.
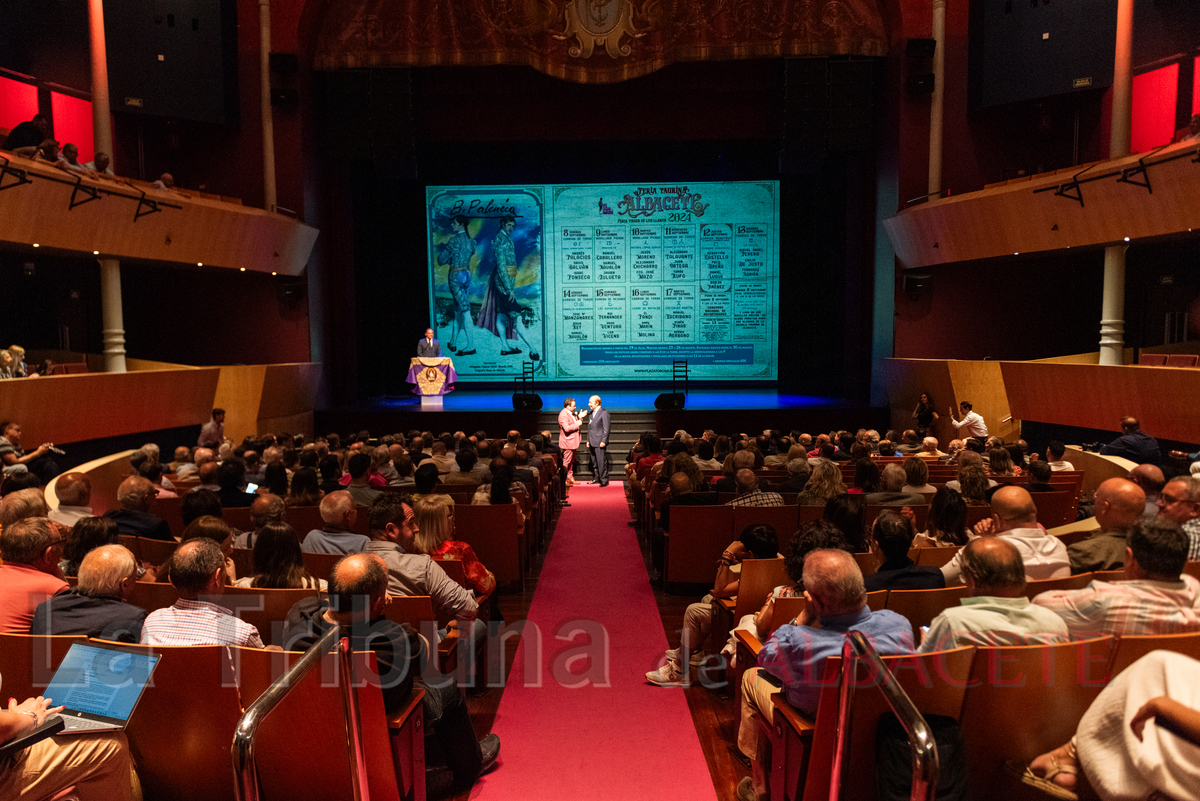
742, 460
97, 765
267, 508
198, 572
1154, 598
359, 468
1014, 517
1055, 452
893, 537
1119, 504
183, 456
338, 536
1133, 444
425, 479
796, 654
891, 489
357, 597
466, 460
755, 542
748, 493
995, 611
96, 607
136, 496
929, 449
31, 549
74, 491
16, 460
1179, 502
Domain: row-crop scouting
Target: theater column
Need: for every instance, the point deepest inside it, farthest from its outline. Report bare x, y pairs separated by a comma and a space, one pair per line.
1112, 315
114, 318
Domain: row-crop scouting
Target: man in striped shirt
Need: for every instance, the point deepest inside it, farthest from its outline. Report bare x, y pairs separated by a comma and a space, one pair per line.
198, 573
1154, 599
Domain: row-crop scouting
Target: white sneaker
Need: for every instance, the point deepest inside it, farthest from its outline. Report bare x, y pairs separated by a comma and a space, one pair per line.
696, 660
668, 675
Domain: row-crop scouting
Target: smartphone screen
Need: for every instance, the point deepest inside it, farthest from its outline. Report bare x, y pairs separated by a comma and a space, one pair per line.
251, 488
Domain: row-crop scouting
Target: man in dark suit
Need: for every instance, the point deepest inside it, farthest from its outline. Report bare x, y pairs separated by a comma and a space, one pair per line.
429, 348
598, 441
98, 606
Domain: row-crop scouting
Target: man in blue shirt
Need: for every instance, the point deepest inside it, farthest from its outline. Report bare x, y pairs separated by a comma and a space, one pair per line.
1133, 444
796, 653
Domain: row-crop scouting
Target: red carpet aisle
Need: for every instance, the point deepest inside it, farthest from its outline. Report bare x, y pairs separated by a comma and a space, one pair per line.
627, 740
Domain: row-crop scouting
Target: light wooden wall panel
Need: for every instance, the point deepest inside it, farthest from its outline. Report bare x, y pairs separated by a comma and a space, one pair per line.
71, 408
1013, 218
105, 474
1095, 396
262, 398
208, 231
949, 382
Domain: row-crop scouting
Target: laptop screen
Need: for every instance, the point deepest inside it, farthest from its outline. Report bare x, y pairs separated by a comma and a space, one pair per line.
104, 683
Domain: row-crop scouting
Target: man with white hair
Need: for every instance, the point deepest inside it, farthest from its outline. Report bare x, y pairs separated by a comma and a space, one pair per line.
339, 514
199, 458
22, 504
97, 606
929, 449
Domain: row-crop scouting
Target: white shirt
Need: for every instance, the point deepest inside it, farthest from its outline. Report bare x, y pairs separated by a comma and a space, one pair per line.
1044, 555
69, 515
1060, 466
973, 423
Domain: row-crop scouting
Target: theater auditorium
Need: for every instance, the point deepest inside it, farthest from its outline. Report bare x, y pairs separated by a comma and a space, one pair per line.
600, 398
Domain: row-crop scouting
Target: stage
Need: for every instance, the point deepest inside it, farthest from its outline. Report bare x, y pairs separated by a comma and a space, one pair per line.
724, 409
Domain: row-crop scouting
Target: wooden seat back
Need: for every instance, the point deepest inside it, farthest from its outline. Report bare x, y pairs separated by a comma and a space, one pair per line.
780, 518
156, 552
1024, 701
759, 577
809, 513
28, 662
304, 519
1131, 648
243, 561
171, 510
936, 683
492, 532
181, 729
1033, 588
936, 557
868, 563
1055, 508
922, 606
264, 609
320, 565
318, 768
1152, 359
1181, 360
787, 610
238, 518
698, 536
151, 595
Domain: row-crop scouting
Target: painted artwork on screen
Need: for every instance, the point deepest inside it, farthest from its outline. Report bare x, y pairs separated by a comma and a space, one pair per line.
486, 294
607, 281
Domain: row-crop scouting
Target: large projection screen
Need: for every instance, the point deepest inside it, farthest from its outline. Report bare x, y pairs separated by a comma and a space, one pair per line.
606, 281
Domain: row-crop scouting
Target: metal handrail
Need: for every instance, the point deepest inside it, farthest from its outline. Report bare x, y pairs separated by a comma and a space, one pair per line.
920, 736
245, 772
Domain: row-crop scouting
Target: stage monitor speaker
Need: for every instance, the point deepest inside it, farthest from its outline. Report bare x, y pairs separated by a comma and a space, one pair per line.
669, 400
526, 403
916, 283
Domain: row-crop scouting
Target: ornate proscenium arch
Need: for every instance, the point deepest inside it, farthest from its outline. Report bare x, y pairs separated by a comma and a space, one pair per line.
592, 41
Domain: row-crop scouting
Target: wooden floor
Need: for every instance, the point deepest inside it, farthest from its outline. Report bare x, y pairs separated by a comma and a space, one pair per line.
715, 716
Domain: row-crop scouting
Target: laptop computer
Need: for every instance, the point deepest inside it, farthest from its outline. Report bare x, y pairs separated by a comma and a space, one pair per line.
99, 686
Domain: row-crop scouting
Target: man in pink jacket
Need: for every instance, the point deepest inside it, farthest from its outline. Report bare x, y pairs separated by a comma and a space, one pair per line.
568, 436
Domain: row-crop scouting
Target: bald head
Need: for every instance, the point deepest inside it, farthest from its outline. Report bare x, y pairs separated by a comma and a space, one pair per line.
357, 586
1119, 503
266, 508
1015, 508
680, 485
73, 489
108, 571
208, 472
203, 455
993, 566
1149, 478
746, 481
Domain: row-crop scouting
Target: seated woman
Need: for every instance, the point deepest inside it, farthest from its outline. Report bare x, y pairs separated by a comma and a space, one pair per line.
1000, 463
866, 477
214, 528
824, 483
85, 536
916, 476
947, 521
849, 514
305, 489
974, 484
278, 562
275, 480
1139, 739
435, 528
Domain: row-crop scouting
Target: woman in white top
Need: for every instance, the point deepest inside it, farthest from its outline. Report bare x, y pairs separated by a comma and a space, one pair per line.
278, 562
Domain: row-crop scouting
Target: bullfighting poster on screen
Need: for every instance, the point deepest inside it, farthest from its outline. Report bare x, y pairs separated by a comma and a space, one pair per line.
607, 281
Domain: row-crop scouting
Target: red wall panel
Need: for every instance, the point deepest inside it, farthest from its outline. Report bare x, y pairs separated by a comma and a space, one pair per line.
1153, 123
73, 123
18, 102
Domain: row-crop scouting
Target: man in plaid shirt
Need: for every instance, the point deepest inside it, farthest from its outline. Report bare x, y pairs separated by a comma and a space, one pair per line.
198, 571
748, 493
1154, 599
1180, 501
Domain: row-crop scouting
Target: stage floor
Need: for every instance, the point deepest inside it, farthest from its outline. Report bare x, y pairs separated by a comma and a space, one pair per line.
615, 400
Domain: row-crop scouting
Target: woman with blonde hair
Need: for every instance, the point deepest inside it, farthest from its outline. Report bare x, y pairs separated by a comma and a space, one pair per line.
19, 368
824, 484
435, 529
1000, 463
973, 485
